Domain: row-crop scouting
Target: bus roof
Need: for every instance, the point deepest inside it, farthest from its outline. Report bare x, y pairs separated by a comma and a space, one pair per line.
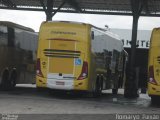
98, 28
107, 32
14, 25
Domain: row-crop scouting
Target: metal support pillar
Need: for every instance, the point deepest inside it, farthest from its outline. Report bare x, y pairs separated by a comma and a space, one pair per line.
49, 10
131, 87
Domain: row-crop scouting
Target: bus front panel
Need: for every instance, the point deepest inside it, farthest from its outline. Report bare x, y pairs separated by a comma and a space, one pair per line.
154, 64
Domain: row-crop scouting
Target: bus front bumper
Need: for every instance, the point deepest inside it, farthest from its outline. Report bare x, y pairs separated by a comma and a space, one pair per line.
153, 89
60, 84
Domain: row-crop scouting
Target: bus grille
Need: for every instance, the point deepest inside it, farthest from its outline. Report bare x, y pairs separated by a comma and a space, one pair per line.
158, 59
61, 53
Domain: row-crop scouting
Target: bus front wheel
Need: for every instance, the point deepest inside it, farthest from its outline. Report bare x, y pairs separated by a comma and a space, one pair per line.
8, 81
114, 91
12, 80
4, 81
98, 87
155, 99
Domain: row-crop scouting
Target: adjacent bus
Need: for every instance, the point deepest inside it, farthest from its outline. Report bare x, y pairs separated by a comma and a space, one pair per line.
18, 45
79, 56
154, 65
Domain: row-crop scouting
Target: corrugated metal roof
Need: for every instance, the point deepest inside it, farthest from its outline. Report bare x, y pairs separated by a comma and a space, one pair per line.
150, 7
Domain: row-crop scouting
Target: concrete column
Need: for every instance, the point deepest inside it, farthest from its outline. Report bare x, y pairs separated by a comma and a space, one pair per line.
49, 10
131, 89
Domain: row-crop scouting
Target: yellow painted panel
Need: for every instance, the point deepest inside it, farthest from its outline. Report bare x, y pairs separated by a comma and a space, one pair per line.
155, 37
81, 84
62, 45
41, 82
61, 65
153, 89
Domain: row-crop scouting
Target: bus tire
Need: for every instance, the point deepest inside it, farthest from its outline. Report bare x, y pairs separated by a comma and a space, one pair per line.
98, 87
40, 89
114, 91
12, 80
154, 99
4, 82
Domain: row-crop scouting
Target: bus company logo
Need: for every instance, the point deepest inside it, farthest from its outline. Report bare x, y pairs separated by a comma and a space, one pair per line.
63, 32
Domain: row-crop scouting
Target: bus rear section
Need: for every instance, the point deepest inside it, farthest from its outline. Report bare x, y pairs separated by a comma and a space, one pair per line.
154, 65
62, 57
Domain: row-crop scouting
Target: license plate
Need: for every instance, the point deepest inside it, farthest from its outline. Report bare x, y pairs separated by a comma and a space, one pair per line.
59, 83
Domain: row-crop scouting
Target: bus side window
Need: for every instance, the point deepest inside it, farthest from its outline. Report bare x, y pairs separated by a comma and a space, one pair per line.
3, 35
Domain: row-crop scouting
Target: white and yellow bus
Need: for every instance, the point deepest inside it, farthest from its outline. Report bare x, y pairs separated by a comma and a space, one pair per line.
78, 56
154, 65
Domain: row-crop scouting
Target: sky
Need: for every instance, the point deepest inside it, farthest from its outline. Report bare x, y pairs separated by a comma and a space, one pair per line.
34, 19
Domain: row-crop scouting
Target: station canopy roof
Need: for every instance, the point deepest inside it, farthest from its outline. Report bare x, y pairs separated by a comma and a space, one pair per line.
113, 7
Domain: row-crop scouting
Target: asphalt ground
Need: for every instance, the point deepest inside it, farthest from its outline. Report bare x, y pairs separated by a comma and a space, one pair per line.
29, 103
